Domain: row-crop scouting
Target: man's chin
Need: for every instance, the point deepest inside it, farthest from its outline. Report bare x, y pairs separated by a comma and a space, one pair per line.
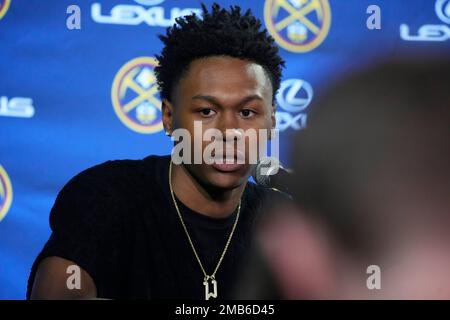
219, 178
226, 179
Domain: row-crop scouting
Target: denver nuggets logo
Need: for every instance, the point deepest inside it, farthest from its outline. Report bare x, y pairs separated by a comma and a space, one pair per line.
298, 25
5, 193
4, 5
135, 96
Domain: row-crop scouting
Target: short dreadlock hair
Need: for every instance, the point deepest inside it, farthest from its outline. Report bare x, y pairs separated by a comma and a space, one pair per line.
217, 33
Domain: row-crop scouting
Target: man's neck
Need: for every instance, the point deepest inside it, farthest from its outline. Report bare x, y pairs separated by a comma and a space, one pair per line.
218, 204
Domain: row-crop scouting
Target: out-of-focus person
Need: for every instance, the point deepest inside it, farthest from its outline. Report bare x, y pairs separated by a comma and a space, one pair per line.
371, 185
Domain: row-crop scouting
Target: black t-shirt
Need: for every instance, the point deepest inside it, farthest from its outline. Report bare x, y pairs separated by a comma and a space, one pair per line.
117, 221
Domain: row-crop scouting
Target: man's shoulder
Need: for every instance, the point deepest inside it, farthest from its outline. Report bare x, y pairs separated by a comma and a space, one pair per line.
263, 193
263, 197
106, 187
119, 169
118, 176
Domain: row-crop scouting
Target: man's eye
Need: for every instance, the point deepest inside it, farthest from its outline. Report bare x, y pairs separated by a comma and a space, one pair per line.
247, 113
207, 112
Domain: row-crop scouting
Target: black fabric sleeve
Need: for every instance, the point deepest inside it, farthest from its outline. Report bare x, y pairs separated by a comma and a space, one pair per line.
80, 220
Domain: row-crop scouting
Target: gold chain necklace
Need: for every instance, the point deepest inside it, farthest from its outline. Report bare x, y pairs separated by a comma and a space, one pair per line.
207, 278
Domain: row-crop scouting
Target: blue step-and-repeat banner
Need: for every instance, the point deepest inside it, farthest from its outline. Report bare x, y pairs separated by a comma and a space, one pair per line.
77, 92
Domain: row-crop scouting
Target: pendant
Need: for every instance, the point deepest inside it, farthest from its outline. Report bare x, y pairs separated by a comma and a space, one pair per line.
206, 283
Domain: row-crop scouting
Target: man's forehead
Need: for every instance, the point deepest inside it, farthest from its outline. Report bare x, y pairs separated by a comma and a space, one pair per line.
225, 75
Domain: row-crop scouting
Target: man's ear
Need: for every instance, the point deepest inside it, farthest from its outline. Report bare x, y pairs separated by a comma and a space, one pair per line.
167, 116
273, 117
273, 120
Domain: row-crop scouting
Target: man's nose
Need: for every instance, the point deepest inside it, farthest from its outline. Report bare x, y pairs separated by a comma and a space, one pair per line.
232, 134
229, 127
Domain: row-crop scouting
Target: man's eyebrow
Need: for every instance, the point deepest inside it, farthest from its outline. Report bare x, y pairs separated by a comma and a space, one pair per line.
214, 100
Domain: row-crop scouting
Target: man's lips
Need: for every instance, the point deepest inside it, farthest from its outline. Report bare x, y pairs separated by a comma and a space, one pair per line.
227, 167
228, 161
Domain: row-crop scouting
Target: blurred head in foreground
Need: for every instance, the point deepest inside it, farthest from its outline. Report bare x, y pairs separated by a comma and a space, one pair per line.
372, 187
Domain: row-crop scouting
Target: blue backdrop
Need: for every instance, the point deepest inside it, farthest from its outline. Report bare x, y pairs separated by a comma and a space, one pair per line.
72, 98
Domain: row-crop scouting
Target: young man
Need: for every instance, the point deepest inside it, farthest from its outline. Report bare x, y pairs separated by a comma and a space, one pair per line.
154, 229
